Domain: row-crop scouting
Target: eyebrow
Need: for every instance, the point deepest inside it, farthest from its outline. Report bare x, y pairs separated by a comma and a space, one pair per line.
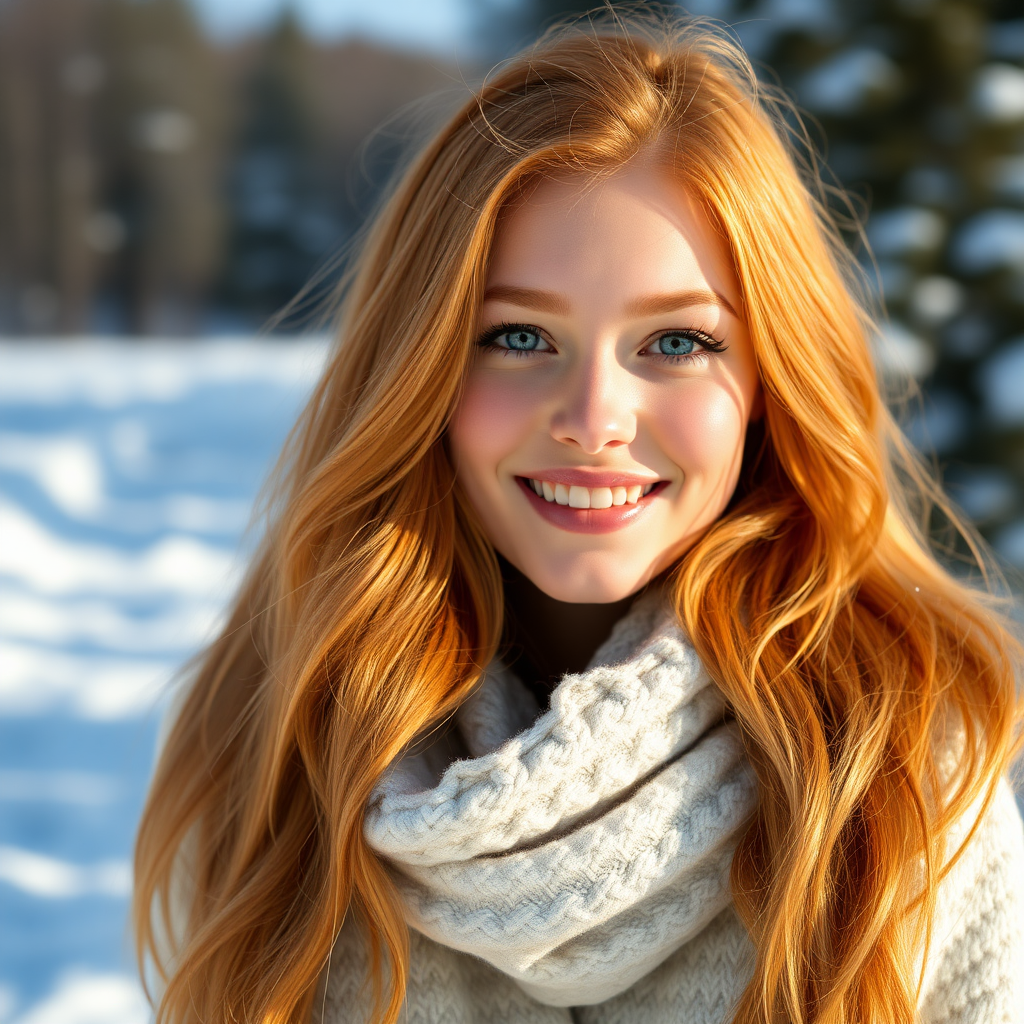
652, 305
647, 305
529, 298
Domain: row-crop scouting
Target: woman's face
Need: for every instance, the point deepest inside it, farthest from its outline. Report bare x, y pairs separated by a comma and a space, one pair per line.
613, 375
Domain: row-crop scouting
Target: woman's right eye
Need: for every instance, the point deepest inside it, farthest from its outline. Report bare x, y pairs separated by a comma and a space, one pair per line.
514, 338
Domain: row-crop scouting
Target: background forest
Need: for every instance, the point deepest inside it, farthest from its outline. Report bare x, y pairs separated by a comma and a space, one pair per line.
154, 181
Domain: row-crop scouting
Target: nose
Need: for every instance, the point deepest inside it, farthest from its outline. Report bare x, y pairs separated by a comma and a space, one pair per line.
595, 408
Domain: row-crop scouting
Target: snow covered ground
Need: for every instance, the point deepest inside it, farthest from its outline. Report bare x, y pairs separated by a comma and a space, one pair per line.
127, 474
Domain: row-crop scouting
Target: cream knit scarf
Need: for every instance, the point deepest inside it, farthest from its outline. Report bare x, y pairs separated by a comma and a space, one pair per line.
574, 851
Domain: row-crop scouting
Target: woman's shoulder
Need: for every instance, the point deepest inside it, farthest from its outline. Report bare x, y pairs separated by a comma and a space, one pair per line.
975, 970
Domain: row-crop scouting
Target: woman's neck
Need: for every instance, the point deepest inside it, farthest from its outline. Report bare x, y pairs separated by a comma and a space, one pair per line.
544, 638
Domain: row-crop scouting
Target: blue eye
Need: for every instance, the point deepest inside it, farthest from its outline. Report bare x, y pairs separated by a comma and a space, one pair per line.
514, 339
675, 345
521, 340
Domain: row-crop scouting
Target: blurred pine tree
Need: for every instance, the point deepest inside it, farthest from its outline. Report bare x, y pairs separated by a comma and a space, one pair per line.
280, 204
50, 78
163, 121
921, 107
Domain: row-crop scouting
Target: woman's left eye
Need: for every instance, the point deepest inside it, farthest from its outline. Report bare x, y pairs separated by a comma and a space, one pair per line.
675, 344
680, 344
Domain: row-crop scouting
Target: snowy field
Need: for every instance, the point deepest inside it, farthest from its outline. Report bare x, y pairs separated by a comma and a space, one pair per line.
127, 475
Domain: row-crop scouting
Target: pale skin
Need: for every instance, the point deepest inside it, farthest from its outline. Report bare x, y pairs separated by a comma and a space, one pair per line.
614, 354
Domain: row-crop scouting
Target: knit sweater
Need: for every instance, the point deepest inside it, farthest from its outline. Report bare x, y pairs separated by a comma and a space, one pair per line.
573, 865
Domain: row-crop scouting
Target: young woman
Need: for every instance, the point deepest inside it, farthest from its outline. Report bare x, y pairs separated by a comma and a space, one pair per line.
601, 364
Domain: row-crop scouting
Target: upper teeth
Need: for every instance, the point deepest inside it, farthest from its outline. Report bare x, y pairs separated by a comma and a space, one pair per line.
589, 497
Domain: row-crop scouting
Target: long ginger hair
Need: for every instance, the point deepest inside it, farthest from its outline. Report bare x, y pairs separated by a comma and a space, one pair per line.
843, 647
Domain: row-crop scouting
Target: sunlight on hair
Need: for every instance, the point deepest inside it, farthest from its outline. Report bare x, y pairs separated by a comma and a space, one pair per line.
851, 658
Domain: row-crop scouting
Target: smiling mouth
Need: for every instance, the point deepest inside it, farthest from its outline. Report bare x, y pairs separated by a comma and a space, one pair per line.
589, 497
606, 509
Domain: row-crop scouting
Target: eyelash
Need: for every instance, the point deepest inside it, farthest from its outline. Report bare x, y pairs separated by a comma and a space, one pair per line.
709, 345
486, 340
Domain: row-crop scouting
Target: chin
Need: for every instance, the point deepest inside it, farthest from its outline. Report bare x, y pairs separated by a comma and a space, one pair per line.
587, 583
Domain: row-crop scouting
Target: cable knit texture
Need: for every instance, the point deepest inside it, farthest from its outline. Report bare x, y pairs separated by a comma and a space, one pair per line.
573, 865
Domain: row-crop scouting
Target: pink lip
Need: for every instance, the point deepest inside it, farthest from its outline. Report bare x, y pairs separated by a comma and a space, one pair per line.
584, 477
586, 520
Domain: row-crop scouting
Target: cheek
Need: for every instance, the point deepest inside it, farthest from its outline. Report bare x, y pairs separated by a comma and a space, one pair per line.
703, 432
488, 425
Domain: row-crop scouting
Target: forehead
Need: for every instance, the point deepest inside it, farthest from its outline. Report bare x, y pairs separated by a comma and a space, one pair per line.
635, 231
